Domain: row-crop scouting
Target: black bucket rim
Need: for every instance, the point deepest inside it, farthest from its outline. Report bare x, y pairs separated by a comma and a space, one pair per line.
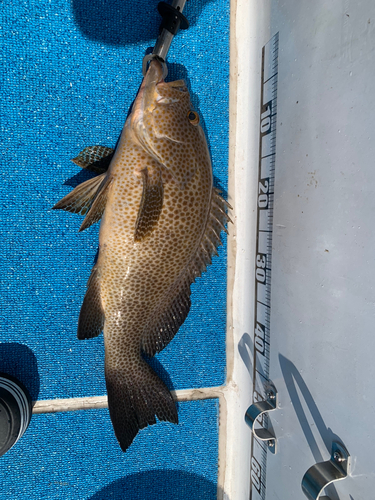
16, 401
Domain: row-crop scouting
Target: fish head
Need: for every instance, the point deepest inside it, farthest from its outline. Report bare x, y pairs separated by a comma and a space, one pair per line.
167, 127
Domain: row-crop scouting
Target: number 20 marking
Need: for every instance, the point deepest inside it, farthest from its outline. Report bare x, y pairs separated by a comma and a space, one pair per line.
263, 196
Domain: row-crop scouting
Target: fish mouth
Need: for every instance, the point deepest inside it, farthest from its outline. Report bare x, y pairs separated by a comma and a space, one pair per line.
177, 84
152, 93
145, 97
148, 94
153, 80
155, 74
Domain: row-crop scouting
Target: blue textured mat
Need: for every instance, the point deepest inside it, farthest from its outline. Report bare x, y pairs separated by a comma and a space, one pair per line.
74, 456
69, 74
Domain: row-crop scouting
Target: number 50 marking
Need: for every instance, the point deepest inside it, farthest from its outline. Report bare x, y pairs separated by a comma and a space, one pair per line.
256, 473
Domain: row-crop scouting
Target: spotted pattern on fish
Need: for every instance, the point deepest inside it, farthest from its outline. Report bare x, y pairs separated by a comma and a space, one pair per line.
160, 227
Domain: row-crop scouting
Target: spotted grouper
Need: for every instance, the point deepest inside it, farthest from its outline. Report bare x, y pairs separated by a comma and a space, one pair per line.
161, 224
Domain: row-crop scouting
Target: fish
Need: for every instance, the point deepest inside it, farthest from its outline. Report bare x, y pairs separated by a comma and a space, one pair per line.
161, 224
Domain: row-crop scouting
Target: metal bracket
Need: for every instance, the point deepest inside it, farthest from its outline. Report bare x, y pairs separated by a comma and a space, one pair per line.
256, 410
324, 473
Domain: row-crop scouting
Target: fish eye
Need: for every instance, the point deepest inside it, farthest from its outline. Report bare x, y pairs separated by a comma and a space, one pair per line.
193, 117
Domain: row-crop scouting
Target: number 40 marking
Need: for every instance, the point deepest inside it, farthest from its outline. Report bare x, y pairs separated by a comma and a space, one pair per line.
259, 338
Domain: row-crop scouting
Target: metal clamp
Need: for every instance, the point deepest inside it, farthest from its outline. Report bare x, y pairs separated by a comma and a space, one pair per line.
256, 410
322, 474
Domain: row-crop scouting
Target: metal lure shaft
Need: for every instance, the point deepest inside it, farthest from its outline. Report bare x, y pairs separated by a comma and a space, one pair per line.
173, 20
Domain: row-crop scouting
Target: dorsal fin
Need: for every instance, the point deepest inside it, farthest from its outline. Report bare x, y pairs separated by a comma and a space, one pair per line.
95, 158
166, 321
216, 222
168, 318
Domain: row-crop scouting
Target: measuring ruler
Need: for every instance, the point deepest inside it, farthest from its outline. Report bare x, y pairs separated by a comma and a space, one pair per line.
263, 259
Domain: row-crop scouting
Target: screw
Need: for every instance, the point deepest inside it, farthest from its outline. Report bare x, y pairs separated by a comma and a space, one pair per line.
271, 395
338, 457
270, 443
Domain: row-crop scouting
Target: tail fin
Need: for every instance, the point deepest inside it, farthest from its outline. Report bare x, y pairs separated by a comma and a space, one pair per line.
134, 399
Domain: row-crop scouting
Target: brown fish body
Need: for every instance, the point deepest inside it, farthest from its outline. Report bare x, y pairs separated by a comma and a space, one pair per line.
137, 277
160, 226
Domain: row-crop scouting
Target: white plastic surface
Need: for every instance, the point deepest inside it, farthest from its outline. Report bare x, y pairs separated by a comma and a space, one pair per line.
323, 268
323, 301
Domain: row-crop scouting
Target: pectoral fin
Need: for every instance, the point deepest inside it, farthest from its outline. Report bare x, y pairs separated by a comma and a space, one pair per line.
95, 158
151, 203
